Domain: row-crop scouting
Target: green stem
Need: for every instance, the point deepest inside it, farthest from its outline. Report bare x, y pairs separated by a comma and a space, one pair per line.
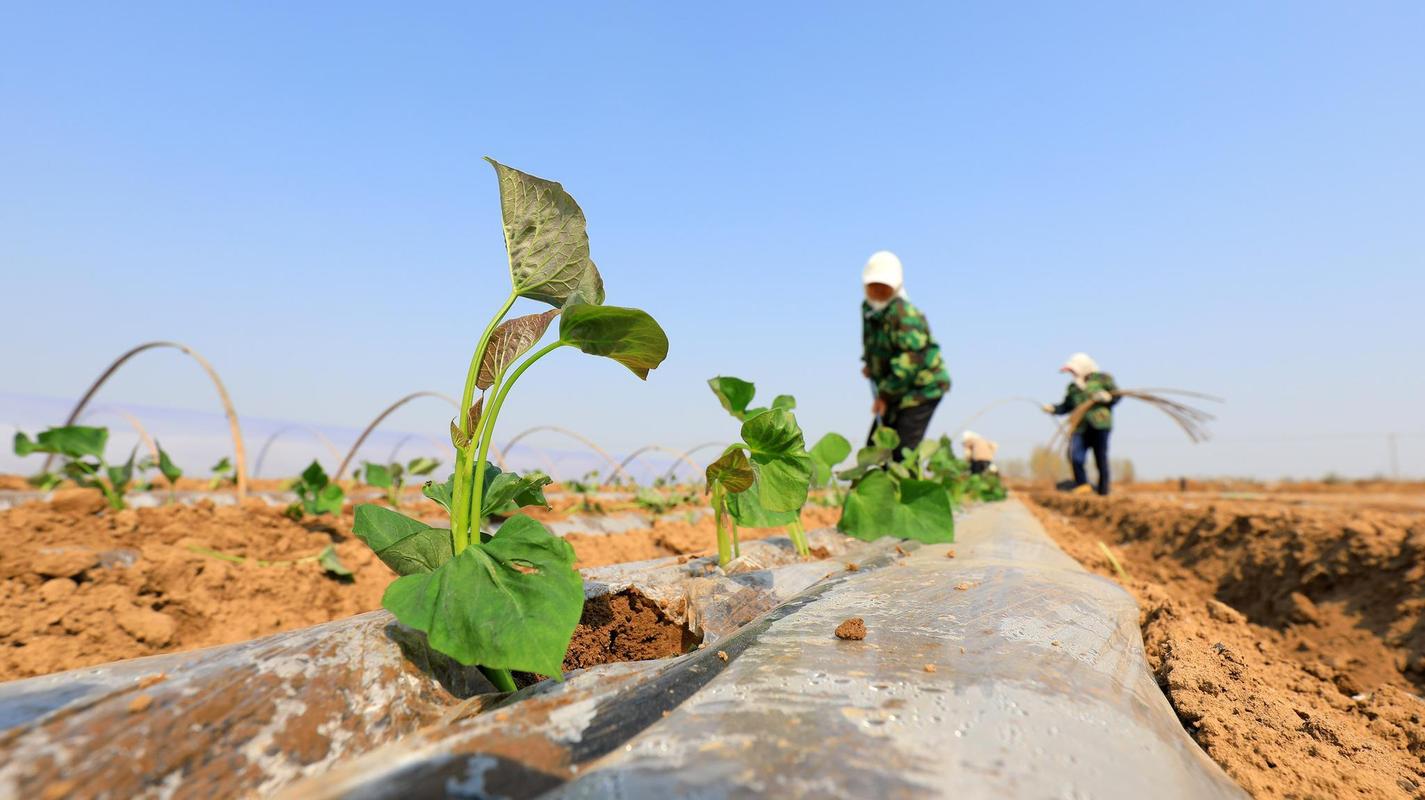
488, 423
502, 678
459, 516
724, 542
799, 538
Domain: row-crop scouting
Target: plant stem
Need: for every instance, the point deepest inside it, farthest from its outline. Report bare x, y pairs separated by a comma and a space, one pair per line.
799, 538
477, 488
459, 516
502, 678
724, 543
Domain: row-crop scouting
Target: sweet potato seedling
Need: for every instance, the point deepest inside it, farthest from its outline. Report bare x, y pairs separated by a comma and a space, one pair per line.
895, 499
508, 600
392, 477
223, 474
165, 466
763, 480
317, 494
84, 448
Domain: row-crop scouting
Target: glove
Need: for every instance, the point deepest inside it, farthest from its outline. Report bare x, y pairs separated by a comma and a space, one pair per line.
1048, 408
1102, 397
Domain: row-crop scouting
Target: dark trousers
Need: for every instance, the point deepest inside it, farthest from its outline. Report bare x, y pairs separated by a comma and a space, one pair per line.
1090, 438
910, 423
979, 467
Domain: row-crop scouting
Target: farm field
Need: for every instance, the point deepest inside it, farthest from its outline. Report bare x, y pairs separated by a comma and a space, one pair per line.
1286, 627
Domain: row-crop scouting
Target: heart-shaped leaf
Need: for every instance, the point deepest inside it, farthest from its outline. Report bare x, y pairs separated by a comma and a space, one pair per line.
733, 393
511, 340
406, 545
507, 491
546, 240
732, 470
749, 511
627, 335
509, 603
776, 447
909, 509
829, 451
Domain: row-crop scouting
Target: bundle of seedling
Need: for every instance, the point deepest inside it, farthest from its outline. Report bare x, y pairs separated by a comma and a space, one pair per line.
508, 599
1191, 419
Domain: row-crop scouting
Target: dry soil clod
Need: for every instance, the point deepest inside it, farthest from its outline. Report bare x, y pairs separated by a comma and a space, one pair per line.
853, 629
950, 553
722, 656
929, 667
960, 587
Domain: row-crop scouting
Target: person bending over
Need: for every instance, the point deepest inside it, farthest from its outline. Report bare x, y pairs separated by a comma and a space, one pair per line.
1089, 384
979, 451
899, 355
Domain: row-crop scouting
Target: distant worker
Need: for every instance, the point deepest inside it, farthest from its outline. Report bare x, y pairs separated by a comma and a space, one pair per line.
979, 451
900, 356
1088, 385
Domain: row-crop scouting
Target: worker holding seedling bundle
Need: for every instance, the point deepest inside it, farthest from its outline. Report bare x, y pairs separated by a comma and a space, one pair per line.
900, 356
979, 451
1089, 385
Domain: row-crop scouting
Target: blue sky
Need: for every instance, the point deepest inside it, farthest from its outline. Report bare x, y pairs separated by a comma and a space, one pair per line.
1226, 197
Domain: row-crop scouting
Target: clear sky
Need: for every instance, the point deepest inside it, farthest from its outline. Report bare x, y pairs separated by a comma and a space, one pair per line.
1224, 197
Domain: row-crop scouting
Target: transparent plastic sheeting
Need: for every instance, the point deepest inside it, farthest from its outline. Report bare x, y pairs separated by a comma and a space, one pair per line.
1040, 689
253, 717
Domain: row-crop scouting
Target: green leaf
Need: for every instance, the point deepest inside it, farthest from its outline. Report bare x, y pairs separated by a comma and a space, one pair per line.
627, 335
223, 465
785, 402
829, 451
314, 476
749, 511
508, 491
733, 393
378, 476
170, 471
121, 476
776, 447
422, 466
909, 509
328, 500
73, 441
546, 240
329, 561
732, 470
887, 438
511, 340
442, 493
509, 603
406, 545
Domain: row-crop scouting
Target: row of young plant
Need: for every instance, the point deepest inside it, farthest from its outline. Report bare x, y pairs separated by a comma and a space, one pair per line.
765, 479
509, 599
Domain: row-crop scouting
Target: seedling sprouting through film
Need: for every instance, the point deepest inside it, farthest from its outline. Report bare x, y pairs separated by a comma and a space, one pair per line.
763, 480
508, 600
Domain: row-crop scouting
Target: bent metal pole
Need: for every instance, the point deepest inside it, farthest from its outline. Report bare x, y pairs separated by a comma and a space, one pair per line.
239, 454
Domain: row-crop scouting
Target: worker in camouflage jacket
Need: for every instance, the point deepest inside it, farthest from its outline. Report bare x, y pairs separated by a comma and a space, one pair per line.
900, 356
1088, 385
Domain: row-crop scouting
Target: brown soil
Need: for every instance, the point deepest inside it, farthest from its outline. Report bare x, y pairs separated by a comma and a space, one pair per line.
81, 585
1287, 639
624, 627
853, 629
